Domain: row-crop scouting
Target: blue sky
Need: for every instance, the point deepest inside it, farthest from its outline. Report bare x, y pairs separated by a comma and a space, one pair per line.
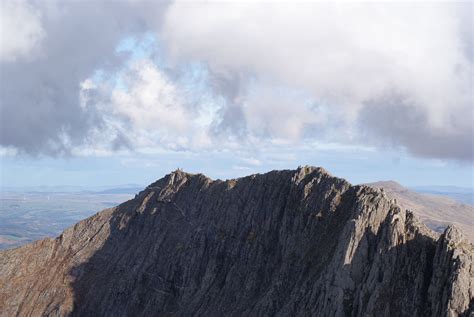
143, 169
368, 91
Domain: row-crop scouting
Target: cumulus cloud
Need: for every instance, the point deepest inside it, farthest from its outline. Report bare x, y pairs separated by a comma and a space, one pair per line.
273, 113
48, 49
151, 110
383, 74
345, 55
20, 30
395, 121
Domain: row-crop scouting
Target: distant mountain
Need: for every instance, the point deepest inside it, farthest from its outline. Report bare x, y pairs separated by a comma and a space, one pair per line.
42, 189
460, 194
120, 190
285, 243
117, 189
436, 211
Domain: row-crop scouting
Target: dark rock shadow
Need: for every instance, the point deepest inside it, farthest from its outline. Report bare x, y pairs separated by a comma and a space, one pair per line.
257, 247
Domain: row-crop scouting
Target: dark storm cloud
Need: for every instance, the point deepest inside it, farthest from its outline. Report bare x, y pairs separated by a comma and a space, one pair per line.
395, 121
231, 117
39, 94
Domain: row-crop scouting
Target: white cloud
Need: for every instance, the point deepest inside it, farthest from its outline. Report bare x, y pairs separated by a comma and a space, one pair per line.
7, 151
275, 74
150, 101
272, 114
41, 71
252, 161
149, 110
346, 54
20, 30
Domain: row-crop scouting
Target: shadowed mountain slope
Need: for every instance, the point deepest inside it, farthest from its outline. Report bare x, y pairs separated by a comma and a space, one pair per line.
436, 211
292, 242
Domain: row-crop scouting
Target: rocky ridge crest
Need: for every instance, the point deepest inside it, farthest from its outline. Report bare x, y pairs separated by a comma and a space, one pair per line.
292, 242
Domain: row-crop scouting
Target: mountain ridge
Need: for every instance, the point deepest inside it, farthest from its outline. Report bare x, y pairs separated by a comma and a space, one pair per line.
290, 242
437, 212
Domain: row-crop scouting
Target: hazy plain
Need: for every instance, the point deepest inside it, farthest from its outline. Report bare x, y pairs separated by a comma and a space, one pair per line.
29, 216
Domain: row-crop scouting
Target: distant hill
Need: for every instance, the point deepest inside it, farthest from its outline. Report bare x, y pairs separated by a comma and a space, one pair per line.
120, 190
460, 194
114, 189
436, 211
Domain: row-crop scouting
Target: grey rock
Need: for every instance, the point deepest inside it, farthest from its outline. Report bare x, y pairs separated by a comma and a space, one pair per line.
283, 243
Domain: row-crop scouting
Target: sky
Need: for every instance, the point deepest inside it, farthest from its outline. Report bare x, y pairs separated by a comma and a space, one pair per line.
96, 93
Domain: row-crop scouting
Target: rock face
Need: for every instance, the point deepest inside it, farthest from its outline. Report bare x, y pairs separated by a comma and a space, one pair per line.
283, 243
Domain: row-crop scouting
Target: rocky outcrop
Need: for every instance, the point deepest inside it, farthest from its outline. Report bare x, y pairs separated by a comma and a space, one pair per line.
283, 243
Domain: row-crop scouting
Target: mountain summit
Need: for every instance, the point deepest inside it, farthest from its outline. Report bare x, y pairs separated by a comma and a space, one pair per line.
291, 242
